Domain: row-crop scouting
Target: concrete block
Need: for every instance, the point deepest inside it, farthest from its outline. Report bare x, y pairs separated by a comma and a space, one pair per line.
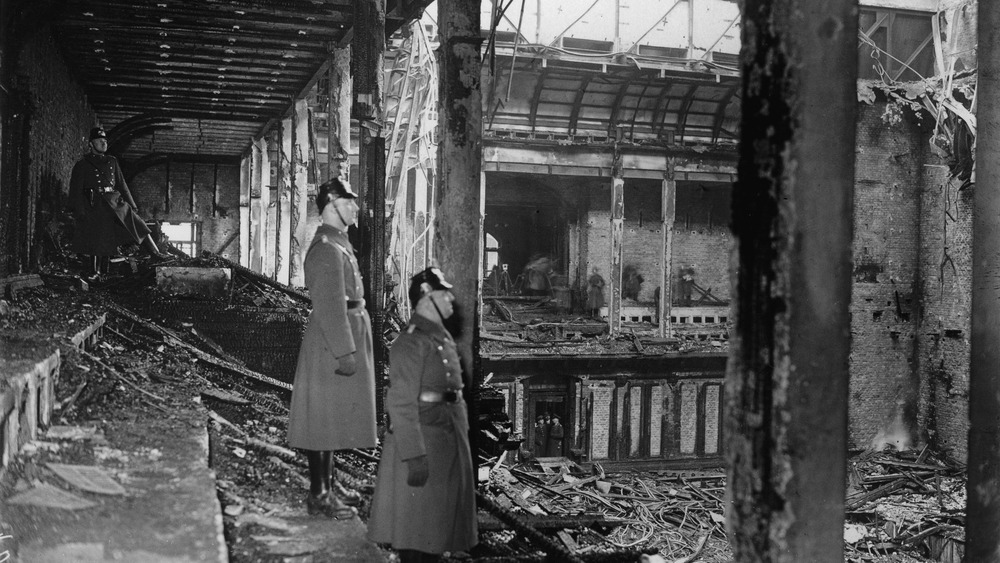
9, 286
207, 282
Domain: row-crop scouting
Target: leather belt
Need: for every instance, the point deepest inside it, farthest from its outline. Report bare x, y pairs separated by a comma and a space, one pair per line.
439, 396
355, 303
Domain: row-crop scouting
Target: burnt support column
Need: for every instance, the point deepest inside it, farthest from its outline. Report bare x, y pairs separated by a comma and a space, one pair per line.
459, 198
260, 186
787, 380
281, 206
617, 245
246, 163
368, 61
339, 115
982, 529
668, 206
286, 185
300, 185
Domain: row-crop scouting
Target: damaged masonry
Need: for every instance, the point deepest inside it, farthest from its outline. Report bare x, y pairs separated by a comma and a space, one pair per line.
717, 258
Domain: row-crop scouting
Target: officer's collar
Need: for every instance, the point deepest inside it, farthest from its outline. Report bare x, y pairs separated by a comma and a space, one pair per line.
327, 229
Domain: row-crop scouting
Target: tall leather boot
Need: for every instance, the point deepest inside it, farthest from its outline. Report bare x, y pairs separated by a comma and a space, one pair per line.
320, 499
347, 496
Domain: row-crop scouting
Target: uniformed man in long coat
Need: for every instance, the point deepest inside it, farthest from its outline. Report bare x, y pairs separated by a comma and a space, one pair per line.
333, 395
424, 501
106, 215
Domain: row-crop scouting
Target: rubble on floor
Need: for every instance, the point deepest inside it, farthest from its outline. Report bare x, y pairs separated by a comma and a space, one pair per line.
672, 513
902, 506
515, 326
905, 502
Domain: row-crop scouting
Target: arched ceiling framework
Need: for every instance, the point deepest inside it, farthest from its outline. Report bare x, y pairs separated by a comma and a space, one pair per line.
663, 101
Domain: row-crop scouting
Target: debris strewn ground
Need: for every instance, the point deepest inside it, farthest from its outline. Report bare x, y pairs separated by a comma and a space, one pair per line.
902, 506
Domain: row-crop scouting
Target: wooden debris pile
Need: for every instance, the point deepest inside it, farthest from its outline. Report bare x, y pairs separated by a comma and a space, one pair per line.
673, 513
537, 327
909, 503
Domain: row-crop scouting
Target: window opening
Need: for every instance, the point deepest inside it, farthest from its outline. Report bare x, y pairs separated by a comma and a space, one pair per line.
184, 236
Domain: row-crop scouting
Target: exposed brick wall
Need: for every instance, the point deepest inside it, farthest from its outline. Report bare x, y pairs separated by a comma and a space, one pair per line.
701, 236
657, 406
888, 182
946, 280
708, 252
634, 420
713, 406
689, 420
911, 294
601, 425
60, 121
219, 223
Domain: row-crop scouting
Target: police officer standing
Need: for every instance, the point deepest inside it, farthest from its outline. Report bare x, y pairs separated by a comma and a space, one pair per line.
333, 395
106, 215
424, 502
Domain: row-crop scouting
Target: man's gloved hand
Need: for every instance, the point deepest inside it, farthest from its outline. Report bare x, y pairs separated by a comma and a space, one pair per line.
417, 471
346, 365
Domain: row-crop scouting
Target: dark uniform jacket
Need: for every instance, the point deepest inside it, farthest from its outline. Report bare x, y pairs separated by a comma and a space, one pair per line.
441, 515
331, 411
103, 206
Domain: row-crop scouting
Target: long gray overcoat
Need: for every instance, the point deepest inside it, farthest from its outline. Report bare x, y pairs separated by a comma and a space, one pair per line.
441, 515
331, 411
104, 219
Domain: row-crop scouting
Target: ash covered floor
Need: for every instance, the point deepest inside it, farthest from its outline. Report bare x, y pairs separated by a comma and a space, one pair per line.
156, 405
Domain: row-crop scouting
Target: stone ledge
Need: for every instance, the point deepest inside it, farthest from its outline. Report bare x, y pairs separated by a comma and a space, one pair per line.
27, 398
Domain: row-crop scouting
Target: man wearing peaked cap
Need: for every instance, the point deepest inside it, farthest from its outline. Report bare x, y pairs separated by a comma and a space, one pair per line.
106, 215
426, 281
337, 188
333, 395
424, 502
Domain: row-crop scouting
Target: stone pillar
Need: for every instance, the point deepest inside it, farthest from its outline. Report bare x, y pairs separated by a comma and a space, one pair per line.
260, 184
787, 379
458, 219
283, 215
368, 58
299, 195
339, 115
668, 206
982, 528
245, 166
617, 245
294, 197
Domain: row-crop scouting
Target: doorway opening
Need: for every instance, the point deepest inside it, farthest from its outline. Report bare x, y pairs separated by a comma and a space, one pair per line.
550, 416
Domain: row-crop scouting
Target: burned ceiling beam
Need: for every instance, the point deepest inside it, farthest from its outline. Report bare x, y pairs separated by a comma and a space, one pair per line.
227, 60
195, 111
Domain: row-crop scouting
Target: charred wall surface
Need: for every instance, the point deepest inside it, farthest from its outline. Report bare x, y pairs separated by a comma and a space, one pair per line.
946, 305
52, 120
206, 194
911, 291
702, 238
